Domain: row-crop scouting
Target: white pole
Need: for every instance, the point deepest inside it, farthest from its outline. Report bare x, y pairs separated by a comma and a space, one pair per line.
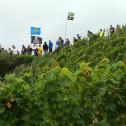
65, 31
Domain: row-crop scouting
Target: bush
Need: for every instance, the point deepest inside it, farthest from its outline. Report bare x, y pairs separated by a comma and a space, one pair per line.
93, 96
24, 59
74, 86
9, 62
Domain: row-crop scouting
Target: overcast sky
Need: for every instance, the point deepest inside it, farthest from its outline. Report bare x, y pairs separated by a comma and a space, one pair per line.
17, 16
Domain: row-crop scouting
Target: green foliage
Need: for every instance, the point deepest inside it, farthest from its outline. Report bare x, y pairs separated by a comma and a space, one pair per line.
59, 97
24, 59
79, 85
8, 62
113, 47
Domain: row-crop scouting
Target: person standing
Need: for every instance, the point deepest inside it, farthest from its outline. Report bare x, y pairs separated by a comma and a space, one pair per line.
101, 33
78, 37
89, 34
2, 50
34, 50
29, 50
50, 46
10, 51
111, 30
67, 42
57, 44
14, 50
61, 41
39, 49
24, 50
45, 48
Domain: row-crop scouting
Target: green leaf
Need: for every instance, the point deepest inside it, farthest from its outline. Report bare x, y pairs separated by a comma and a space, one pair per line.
2, 109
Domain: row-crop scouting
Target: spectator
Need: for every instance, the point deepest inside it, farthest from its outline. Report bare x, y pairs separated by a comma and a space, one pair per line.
4, 50
112, 29
101, 33
61, 41
67, 42
74, 40
39, 49
45, 48
89, 34
78, 37
14, 50
34, 50
57, 44
50, 46
24, 50
10, 51
29, 50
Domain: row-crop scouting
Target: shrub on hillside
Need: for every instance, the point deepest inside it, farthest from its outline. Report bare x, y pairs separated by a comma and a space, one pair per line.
92, 96
24, 59
9, 62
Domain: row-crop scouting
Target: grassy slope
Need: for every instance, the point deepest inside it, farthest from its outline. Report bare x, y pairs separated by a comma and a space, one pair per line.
113, 48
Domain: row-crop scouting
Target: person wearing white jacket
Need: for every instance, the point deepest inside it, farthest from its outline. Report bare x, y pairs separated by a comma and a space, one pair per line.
14, 49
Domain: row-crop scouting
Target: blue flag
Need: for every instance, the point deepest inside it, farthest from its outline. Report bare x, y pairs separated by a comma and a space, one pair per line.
35, 31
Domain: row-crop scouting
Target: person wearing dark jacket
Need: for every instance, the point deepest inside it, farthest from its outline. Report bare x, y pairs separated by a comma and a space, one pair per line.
45, 48
67, 42
61, 41
50, 46
78, 37
24, 50
112, 29
29, 50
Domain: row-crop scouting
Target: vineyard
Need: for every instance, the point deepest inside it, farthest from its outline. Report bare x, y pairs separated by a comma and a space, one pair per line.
79, 85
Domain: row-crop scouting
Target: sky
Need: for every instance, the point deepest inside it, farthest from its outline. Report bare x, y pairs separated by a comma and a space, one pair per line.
17, 16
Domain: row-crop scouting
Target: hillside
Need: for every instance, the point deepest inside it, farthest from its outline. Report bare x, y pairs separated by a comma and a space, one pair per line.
79, 85
93, 51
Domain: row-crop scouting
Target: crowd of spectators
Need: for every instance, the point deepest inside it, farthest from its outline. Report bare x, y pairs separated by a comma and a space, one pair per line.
36, 49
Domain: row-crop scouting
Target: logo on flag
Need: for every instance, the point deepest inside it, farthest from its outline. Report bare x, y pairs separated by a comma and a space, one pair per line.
35, 31
70, 16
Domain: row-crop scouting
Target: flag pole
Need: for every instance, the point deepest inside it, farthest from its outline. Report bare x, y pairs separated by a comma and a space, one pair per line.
70, 17
65, 30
